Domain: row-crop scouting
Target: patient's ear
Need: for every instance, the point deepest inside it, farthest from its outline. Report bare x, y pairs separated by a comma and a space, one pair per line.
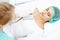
36, 11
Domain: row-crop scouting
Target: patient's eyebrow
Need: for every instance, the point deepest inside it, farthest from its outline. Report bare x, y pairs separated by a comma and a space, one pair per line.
47, 9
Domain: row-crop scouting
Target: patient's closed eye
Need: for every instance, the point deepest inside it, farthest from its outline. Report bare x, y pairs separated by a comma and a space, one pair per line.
48, 14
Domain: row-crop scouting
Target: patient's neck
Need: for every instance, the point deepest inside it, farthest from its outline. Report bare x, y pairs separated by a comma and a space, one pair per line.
39, 22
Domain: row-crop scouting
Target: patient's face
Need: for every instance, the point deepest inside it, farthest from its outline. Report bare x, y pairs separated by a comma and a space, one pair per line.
46, 14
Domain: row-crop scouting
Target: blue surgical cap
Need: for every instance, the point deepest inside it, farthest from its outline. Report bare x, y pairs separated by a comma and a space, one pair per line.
55, 14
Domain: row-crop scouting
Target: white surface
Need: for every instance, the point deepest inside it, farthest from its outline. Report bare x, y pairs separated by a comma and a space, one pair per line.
51, 32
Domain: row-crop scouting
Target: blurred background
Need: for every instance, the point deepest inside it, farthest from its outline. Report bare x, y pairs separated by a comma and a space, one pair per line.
24, 7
